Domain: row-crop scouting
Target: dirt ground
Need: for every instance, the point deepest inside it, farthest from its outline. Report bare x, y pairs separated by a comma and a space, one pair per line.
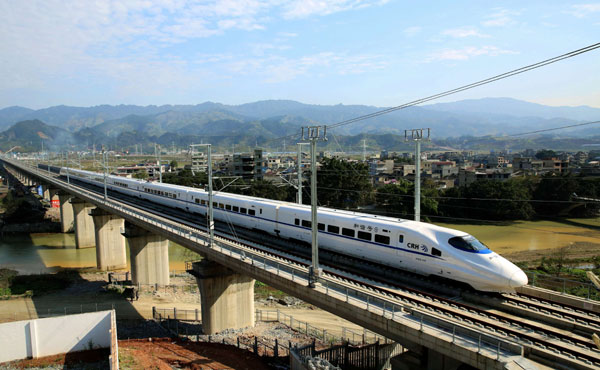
167, 354
94, 359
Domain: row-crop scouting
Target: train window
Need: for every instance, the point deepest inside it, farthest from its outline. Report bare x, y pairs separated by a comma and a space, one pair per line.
203, 202
215, 205
436, 252
297, 221
198, 201
347, 232
260, 211
228, 207
236, 209
467, 243
333, 229
383, 239
251, 212
321, 226
401, 238
306, 223
243, 210
221, 205
364, 235
174, 196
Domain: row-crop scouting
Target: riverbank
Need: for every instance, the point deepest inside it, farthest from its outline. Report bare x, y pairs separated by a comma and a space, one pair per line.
24, 213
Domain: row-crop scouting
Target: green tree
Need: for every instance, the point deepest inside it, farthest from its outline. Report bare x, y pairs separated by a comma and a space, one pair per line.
186, 178
489, 200
545, 154
343, 184
141, 174
397, 200
173, 164
263, 189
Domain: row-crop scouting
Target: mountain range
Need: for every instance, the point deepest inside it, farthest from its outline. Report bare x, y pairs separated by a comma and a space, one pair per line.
258, 122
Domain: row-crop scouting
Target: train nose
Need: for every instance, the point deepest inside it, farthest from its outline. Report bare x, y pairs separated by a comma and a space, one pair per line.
518, 279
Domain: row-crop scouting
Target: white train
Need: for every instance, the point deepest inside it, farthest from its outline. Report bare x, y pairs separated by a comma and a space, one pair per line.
415, 246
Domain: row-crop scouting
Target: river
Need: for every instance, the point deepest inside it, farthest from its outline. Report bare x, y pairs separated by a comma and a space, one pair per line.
37, 253
42, 253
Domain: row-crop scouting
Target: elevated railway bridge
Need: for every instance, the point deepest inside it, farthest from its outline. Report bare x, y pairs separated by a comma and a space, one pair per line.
530, 330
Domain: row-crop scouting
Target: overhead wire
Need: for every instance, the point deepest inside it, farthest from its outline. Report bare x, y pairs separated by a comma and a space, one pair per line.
486, 81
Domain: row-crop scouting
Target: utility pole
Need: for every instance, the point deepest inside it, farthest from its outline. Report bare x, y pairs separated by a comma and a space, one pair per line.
313, 134
299, 196
364, 150
209, 212
417, 135
157, 155
104, 171
68, 179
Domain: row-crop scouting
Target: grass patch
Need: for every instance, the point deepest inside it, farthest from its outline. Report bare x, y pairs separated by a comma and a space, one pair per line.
41, 284
263, 291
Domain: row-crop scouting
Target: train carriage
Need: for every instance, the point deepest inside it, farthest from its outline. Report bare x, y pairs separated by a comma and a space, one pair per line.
415, 246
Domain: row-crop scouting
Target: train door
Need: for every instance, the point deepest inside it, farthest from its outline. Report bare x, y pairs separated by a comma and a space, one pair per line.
277, 230
400, 253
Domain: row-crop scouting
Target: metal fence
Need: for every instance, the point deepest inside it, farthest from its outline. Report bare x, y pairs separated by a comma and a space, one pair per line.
373, 356
250, 253
564, 285
349, 335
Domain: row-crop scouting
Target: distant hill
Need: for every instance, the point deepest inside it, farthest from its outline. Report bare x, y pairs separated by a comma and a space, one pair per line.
517, 108
224, 134
29, 135
272, 118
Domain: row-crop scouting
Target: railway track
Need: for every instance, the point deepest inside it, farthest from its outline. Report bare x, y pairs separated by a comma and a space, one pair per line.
541, 339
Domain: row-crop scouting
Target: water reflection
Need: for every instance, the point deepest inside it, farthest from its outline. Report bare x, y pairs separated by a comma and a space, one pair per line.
43, 253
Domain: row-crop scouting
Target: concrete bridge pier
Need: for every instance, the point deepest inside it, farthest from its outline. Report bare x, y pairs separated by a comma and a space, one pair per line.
227, 298
110, 243
66, 212
84, 225
53, 194
149, 255
46, 192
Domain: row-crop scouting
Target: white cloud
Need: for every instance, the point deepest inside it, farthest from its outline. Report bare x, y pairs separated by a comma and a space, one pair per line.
463, 32
305, 8
583, 10
467, 53
412, 31
277, 69
501, 17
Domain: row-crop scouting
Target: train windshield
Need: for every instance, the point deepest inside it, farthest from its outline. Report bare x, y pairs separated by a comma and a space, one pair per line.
467, 243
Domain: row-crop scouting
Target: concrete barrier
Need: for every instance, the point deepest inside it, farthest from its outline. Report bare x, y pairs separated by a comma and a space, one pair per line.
56, 335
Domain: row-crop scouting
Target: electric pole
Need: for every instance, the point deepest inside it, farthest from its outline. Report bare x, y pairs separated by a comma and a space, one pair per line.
417, 135
157, 155
209, 212
299, 196
313, 134
68, 179
364, 150
104, 155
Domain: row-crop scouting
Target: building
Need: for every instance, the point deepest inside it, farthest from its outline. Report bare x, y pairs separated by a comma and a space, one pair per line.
249, 165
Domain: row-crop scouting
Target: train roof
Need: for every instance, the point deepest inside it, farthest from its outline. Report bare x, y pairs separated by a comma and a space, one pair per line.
435, 229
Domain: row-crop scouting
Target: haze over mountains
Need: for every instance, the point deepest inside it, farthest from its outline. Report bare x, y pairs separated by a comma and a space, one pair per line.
259, 121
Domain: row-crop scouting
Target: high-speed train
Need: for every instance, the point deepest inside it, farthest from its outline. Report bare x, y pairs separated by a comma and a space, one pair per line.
414, 246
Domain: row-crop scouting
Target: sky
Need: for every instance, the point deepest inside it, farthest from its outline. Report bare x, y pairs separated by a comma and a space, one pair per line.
373, 52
